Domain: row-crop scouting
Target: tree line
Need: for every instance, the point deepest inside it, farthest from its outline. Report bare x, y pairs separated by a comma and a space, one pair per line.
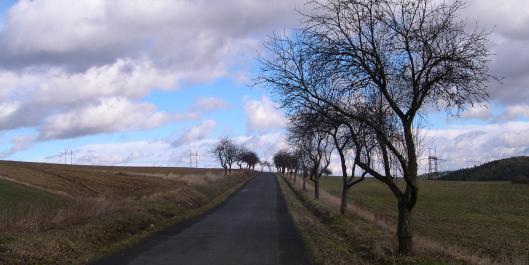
358, 79
229, 154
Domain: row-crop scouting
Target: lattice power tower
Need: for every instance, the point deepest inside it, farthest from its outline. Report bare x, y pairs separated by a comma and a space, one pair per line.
433, 166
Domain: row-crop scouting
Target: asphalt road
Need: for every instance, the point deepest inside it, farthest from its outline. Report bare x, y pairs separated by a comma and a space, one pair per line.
251, 227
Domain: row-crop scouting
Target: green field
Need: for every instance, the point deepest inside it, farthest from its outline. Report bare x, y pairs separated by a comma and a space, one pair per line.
18, 199
487, 218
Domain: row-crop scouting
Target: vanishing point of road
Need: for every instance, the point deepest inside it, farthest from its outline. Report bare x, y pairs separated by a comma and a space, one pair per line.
253, 226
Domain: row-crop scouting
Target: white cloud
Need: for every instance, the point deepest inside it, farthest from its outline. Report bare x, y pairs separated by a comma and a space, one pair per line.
188, 35
164, 153
265, 145
107, 115
508, 20
478, 111
515, 111
209, 104
19, 143
467, 145
196, 133
54, 63
34, 95
263, 115
126, 153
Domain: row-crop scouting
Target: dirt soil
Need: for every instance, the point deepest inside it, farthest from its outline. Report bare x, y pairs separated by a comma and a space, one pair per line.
103, 181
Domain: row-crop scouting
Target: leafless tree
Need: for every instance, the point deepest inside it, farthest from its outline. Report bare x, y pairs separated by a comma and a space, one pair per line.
302, 147
379, 63
241, 151
317, 145
268, 165
226, 152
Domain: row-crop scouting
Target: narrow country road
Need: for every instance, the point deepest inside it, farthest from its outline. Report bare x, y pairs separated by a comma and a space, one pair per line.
251, 227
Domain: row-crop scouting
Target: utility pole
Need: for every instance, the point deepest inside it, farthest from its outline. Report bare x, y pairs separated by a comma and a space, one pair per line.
190, 158
71, 157
196, 158
65, 155
433, 168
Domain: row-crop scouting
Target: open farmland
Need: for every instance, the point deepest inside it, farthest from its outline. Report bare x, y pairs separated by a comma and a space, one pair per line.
487, 218
64, 214
97, 181
18, 202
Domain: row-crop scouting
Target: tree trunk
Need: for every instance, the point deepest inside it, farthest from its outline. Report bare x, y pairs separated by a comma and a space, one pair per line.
405, 229
225, 171
345, 187
343, 205
229, 169
304, 181
316, 189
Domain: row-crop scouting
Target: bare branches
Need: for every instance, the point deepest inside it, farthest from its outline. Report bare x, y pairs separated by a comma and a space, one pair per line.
226, 152
360, 71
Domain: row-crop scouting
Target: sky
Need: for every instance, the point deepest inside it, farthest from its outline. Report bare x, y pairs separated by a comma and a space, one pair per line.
130, 82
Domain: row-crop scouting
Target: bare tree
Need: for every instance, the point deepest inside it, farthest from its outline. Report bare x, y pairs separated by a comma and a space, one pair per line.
379, 63
239, 158
226, 152
317, 146
302, 147
268, 165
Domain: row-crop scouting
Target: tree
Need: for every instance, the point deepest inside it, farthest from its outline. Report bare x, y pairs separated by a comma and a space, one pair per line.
226, 152
316, 144
301, 151
380, 63
267, 164
282, 161
343, 133
251, 159
241, 152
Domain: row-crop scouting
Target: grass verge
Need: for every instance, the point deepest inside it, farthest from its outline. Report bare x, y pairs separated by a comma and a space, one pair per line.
350, 239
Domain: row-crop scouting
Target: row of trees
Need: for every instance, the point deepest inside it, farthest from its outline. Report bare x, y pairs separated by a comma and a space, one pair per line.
228, 153
357, 77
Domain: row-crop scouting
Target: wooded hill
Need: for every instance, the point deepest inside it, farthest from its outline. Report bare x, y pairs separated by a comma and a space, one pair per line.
498, 170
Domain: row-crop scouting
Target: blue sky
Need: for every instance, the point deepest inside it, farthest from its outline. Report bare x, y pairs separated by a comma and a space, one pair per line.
140, 83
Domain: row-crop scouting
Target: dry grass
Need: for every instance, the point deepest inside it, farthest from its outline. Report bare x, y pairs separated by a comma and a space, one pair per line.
325, 247
73, 214
423, 246
377, 235
98, 181
478, 222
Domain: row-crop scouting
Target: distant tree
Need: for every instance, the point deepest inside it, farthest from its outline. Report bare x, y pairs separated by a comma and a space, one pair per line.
268, 165
226, 153
316, 145
241, 153
262, 164
282, 161
251, 159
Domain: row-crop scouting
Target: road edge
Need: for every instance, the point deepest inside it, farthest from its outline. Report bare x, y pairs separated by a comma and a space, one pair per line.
131, 249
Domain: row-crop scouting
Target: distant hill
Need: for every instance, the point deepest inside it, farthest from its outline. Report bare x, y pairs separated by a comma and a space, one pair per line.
498, 170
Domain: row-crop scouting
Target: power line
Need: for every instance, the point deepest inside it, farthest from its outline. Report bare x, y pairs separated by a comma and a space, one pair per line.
193, 157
